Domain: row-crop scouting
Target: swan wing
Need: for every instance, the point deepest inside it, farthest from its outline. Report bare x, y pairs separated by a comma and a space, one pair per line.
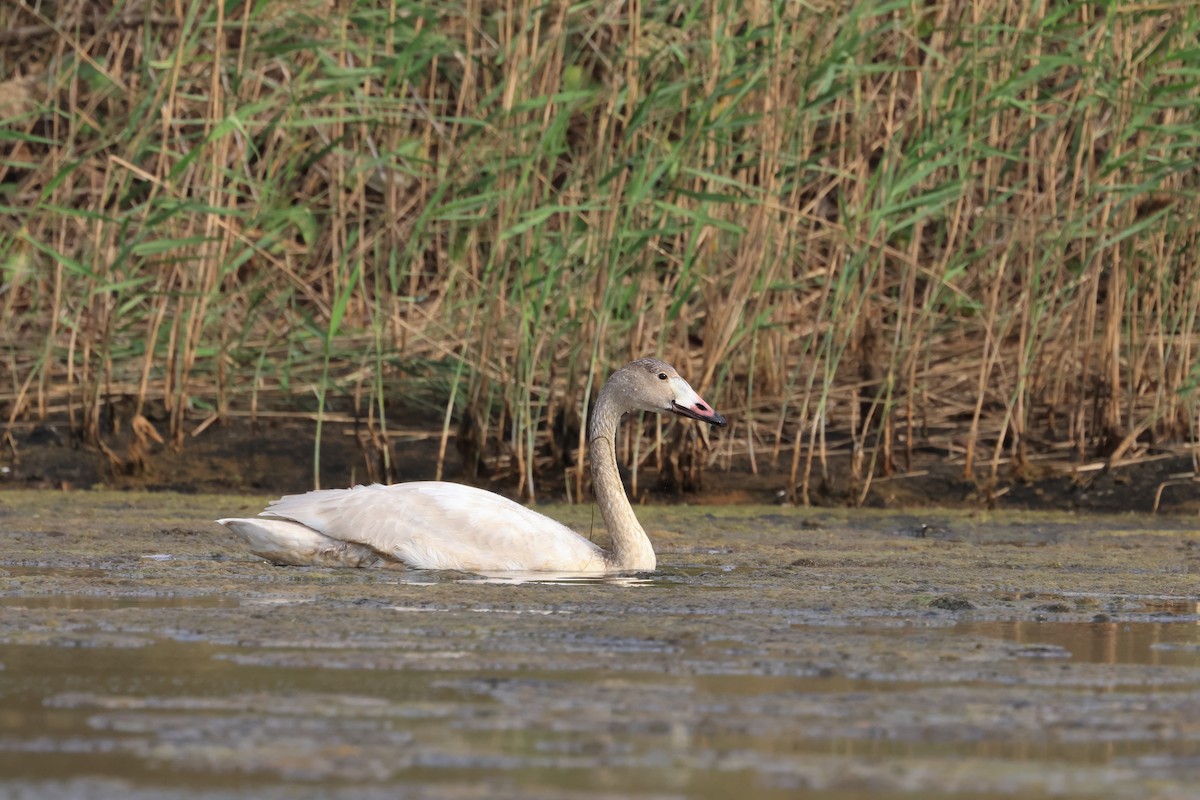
440, 525
282, 541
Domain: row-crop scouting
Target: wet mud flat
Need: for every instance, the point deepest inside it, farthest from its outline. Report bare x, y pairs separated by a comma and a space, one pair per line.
776, 653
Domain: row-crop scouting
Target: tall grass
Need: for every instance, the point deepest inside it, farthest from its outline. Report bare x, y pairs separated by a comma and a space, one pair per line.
863, 228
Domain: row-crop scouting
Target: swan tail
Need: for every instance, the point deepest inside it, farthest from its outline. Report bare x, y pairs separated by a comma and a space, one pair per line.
289, 543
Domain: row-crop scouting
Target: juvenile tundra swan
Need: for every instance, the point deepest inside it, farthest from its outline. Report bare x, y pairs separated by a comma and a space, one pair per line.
440, 525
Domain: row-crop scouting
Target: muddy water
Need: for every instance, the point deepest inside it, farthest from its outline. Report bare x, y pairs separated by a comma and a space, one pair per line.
775, 654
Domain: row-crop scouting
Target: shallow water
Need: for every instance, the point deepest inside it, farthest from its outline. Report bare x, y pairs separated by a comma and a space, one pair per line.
775, 654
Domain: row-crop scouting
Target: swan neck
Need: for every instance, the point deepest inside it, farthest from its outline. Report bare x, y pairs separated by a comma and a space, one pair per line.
632, 550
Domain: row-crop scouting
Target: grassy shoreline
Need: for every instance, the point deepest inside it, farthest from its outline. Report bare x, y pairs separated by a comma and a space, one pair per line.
965, 226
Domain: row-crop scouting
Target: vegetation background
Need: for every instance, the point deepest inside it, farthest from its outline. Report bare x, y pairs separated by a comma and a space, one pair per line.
868, 230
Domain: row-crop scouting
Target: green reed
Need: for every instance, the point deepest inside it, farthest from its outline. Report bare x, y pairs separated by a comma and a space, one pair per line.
864, 229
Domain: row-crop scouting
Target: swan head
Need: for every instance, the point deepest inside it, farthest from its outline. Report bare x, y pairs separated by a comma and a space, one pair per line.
652, 385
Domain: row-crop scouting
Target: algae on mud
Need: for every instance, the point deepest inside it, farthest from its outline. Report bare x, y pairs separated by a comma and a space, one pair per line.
784, 652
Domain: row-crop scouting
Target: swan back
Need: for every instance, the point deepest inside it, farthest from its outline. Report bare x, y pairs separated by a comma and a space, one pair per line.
439, 525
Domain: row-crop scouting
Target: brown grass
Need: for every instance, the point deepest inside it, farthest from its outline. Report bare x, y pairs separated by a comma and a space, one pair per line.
865, 230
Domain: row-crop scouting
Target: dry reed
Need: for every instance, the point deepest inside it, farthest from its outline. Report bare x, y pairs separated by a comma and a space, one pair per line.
862, 228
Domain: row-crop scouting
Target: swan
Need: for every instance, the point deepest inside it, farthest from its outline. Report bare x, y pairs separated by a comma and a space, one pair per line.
449, 526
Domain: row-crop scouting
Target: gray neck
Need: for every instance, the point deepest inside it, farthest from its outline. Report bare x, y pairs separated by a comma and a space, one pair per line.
632, 550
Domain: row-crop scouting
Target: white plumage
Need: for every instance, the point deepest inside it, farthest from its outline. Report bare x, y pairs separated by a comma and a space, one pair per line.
440, 525
425, 524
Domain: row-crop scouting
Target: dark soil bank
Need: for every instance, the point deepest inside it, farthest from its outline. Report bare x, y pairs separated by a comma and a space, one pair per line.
275, 456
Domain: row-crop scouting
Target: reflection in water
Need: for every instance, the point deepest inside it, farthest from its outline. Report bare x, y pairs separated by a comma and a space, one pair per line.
667, 576
575, 578
1108, 642
510, 688
197, 714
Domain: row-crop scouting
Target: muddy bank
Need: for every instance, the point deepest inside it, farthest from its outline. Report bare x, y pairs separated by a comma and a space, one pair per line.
275, 456
790, 653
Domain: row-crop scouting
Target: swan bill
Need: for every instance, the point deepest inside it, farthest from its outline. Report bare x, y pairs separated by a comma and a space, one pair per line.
700, 411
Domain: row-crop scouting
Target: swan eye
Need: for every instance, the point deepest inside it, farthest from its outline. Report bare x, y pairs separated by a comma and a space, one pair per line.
662, 376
